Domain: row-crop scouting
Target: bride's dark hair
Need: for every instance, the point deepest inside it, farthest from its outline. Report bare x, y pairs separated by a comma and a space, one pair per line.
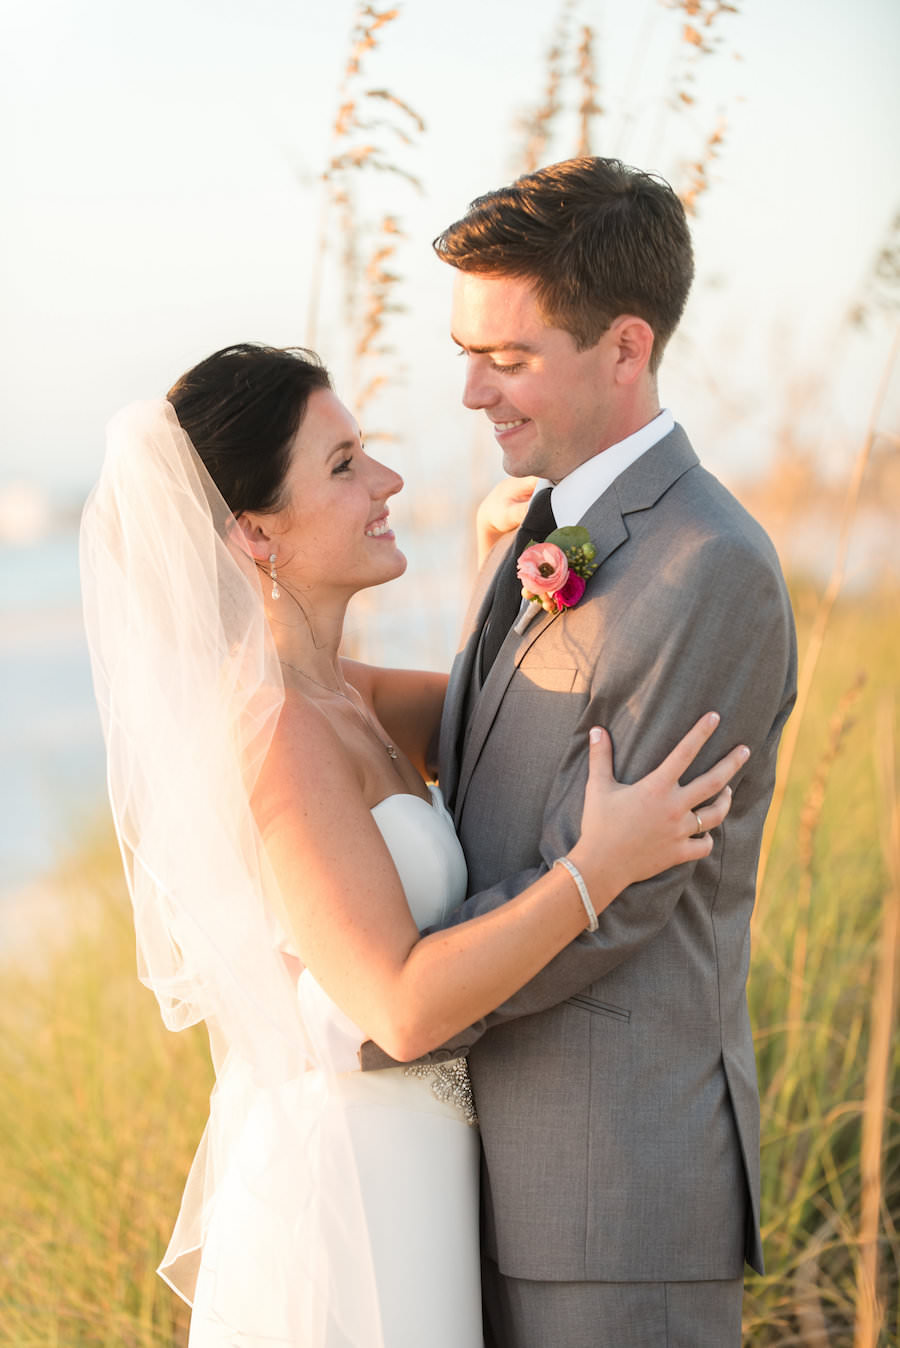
241, 408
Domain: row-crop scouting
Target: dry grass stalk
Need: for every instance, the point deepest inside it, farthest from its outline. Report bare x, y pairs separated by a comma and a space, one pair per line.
539, 125
869, 1310
568, 57
810, 1317
704, 12
810, 818
706, 15
357, 146
380, 283
401, 106
698, 180
697, 38
589, 108
820, 626
366, 24
367, 156
369, 124
882, 287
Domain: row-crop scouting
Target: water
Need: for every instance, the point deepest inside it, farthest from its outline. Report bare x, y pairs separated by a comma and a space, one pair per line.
50, 742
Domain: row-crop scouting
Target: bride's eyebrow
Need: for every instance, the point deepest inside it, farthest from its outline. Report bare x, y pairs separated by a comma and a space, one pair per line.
342, 448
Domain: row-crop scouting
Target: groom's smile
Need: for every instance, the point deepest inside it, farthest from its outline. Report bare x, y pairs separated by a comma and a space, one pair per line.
503, 429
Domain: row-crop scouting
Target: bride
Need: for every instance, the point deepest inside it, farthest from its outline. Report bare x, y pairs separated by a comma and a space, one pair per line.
283, 853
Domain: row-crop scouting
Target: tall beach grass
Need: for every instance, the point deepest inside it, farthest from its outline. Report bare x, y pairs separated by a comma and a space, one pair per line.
822, 998
100, 1112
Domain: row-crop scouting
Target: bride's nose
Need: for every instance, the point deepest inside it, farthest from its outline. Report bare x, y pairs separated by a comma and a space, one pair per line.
385, 482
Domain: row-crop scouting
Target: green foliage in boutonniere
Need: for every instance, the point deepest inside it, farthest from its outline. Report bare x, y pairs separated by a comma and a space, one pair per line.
554, 573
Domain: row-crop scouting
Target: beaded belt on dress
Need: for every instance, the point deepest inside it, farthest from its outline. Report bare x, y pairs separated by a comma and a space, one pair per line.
449, 1082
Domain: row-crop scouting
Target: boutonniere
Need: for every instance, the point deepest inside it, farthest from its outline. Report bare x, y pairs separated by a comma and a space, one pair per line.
553, 573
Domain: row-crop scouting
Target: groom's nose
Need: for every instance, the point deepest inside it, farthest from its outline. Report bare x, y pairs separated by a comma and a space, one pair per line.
479, 389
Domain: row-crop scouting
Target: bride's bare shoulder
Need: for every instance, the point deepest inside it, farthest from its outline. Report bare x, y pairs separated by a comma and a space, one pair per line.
308, 754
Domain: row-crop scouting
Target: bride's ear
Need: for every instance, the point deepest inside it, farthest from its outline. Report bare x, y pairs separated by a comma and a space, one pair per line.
253, 537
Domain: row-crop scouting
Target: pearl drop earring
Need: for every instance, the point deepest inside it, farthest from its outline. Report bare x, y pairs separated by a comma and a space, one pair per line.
276, 593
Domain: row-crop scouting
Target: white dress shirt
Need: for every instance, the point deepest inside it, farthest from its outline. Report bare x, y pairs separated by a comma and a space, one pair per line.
572, 496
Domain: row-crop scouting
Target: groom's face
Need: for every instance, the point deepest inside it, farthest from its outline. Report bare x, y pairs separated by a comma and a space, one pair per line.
549, 403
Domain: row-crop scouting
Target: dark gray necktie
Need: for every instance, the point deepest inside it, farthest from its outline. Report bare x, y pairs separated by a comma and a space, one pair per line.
535, 527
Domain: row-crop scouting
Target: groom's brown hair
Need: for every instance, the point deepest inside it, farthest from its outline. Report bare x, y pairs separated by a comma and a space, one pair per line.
595, 236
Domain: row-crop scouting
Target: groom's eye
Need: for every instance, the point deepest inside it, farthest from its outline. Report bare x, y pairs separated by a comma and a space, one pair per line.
507, 367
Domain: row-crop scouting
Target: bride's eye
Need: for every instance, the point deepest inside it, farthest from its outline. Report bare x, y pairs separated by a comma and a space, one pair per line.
343, 466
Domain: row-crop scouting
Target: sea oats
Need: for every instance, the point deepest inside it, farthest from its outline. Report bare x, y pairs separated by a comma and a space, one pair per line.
366, 118
820, 625
588, 108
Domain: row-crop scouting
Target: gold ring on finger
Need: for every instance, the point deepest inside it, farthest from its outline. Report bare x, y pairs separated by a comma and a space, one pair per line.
699, 822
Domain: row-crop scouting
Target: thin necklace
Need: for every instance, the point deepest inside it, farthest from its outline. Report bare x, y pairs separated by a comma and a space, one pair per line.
391, 751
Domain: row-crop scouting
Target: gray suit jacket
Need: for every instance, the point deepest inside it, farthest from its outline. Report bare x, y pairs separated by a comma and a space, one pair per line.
617, 1091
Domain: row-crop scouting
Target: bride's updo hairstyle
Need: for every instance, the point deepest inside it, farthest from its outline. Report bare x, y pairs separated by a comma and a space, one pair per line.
241, 408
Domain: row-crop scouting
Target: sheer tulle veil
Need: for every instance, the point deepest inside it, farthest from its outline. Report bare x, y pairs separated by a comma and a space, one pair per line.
189, 690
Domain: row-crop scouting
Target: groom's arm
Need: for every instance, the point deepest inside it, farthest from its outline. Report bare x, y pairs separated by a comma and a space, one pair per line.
729, 648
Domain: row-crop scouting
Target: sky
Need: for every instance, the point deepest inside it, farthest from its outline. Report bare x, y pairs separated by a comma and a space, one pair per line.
162, 182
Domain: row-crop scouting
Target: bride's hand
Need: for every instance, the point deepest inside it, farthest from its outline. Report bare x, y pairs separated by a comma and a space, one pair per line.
502, 510
629, 833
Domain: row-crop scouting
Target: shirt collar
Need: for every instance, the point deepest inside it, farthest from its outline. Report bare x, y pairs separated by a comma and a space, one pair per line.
580, 489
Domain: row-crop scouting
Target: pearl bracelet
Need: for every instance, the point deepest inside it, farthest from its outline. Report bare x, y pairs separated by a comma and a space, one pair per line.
582, 890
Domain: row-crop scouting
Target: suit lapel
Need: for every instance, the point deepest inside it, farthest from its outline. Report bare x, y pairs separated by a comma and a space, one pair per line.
484, 706
637, 488
462, 674
651, 476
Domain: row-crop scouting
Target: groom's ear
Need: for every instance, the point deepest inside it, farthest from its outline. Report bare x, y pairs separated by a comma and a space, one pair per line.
633, 337
253, 537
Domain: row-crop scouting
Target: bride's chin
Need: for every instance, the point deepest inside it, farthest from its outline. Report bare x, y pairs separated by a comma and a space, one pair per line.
397, 567
391, 569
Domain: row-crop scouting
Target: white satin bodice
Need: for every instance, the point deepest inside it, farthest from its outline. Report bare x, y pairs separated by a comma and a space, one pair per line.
426, 851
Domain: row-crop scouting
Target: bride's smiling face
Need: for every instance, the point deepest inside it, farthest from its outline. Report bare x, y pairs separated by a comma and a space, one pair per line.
333, 531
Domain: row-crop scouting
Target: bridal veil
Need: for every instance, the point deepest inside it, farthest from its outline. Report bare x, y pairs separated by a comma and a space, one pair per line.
189, 690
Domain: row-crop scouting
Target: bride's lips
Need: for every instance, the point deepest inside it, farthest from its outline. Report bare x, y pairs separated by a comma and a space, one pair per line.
379, 528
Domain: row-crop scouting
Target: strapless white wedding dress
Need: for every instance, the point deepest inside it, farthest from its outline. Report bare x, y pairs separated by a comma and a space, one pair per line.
397, 1154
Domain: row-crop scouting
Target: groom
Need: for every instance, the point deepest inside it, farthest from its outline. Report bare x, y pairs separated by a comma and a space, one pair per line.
617, 1091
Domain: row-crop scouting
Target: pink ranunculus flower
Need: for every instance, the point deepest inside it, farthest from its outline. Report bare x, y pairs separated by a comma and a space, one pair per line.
543, 569
571, 592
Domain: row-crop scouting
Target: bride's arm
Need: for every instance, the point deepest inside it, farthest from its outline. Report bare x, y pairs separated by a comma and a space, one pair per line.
502, 510
408, 703
346, 911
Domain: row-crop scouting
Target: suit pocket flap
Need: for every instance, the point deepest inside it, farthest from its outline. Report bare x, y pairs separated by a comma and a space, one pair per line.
599, 1008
